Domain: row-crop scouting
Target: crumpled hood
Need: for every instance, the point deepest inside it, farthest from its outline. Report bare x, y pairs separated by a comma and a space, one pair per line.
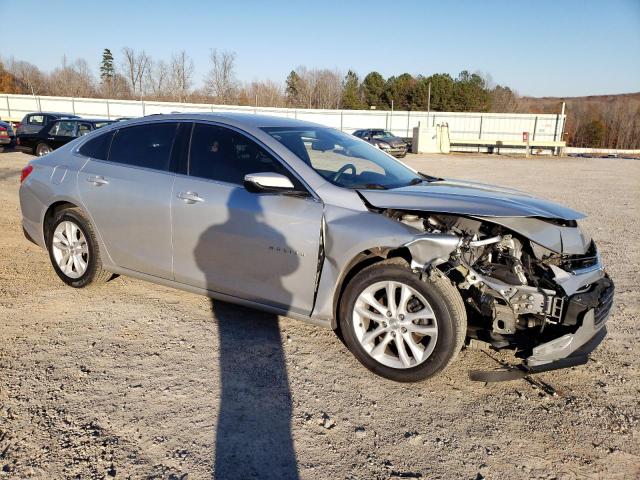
467, 198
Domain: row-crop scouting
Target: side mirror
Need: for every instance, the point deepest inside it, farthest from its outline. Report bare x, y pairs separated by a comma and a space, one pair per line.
322, 145
267, 182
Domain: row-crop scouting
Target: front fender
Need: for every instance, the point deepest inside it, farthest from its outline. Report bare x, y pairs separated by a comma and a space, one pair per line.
347, 235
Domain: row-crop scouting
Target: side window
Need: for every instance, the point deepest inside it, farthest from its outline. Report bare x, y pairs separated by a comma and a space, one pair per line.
36, 120
63, 129
54, 129
83, 129
147, 145
219, 153
97, 147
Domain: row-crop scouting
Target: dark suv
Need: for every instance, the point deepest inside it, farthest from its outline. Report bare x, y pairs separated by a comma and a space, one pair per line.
384, 140
60, 132
32, 124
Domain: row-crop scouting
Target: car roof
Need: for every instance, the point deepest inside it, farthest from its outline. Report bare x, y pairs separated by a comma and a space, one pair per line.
232, 118
58, 114
86, 120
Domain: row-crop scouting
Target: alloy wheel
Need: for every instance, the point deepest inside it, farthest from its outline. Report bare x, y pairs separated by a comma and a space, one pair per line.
395, 324
70, 249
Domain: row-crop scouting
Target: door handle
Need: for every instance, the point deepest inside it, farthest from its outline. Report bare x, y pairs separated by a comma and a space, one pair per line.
50, 138
98, 180
190, 197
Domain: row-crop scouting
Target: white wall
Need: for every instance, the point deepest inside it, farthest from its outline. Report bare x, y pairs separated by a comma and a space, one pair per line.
462, 125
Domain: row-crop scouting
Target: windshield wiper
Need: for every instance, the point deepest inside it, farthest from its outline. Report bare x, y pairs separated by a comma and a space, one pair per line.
368, 186
416, 181
430, 178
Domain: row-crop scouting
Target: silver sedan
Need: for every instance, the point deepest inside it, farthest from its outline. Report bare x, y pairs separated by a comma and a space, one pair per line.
303, 220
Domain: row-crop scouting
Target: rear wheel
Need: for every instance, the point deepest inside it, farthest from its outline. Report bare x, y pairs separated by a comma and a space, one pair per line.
73, 249
42, 149
400, 326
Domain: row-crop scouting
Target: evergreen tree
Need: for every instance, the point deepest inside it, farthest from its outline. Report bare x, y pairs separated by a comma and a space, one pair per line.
107, 71
373, 90
351, 91
471, 93
292, 91
399, 89
442, 86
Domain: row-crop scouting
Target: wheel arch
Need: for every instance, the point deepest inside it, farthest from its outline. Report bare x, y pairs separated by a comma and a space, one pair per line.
50, 215
361, 261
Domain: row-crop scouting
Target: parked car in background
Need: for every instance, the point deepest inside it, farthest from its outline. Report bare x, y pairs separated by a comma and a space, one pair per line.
306, 221
384, 140
7, 135
58, 133
32, 124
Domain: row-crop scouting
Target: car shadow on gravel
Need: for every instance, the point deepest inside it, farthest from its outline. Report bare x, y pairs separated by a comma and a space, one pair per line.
253, 433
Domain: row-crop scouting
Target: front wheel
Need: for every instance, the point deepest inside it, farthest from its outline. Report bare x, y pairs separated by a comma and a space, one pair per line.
73, 249
399, 326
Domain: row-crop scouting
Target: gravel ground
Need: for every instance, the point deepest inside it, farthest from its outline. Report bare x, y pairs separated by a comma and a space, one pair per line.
134, 380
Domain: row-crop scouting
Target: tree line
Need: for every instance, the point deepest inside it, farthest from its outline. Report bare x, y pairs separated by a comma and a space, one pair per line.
136, 75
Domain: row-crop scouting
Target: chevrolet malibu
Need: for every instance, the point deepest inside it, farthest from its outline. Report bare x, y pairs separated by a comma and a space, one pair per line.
302, 220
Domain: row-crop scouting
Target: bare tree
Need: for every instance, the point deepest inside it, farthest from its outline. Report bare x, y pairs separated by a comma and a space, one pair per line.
181, 75
503, 99
263, 94
157, 79
28, 76
316, 88
135, 66
221, 80
73, 80
328, 88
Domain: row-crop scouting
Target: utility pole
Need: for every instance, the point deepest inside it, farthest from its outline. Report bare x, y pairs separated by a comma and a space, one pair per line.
562, 119
428, 103
391, 118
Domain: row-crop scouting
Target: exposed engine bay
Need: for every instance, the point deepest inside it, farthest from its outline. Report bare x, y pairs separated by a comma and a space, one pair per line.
519, 294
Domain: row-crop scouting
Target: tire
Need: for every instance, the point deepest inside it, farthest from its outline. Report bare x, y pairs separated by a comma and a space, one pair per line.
42, 149
448, 322
72, 272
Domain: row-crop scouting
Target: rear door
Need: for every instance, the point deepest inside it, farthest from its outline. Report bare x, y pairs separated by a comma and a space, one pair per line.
29, 129
256, 246
59, 133
128, 196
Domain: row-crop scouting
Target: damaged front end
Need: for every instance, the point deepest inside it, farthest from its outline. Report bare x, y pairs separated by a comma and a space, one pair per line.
533, 285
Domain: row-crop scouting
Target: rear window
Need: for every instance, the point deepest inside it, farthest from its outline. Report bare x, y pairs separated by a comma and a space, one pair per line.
36, 120
147, 145
97, 147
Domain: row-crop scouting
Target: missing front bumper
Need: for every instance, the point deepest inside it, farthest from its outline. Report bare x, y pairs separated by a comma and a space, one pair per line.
577, 357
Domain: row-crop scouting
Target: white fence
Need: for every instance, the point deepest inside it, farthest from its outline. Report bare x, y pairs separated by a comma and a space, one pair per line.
464, 127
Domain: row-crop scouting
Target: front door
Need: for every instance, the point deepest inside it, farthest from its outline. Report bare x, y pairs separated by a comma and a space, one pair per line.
259, 247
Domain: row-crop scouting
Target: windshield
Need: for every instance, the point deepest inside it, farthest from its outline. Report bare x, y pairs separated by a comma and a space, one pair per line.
342, 159
382, 135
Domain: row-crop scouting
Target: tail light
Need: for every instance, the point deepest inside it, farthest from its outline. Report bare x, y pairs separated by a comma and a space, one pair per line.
3, 132
25, 172
18, 140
